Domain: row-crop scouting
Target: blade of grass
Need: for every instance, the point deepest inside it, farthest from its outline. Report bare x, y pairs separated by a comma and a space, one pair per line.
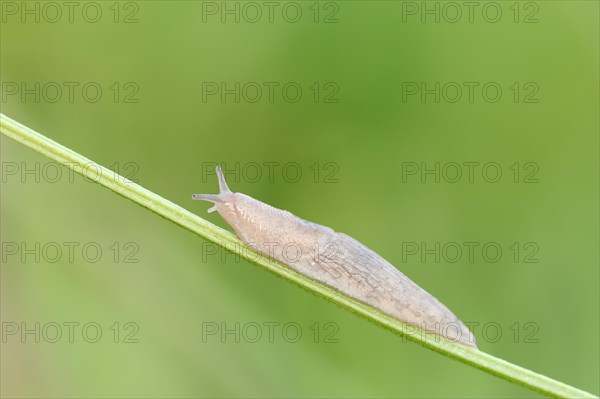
225, 239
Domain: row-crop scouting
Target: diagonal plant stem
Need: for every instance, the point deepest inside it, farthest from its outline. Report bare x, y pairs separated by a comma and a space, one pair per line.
225, 239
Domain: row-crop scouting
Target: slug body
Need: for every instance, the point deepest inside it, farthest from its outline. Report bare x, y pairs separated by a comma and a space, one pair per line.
334, 259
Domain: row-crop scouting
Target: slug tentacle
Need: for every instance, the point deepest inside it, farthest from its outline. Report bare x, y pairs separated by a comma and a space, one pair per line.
335, 259
224, 195
214, 198
223, 188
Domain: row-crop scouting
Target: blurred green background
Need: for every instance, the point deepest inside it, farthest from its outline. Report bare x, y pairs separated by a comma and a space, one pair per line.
360, 129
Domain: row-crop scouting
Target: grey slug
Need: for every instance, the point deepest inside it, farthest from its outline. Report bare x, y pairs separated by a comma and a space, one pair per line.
334, 259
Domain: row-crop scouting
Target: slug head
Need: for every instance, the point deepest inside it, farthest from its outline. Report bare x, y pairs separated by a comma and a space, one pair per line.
223, 202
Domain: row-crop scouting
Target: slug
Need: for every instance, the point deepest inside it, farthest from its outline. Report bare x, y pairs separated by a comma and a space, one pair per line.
334, 259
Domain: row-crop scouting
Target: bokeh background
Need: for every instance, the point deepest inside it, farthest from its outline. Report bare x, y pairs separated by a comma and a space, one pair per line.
360, 129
